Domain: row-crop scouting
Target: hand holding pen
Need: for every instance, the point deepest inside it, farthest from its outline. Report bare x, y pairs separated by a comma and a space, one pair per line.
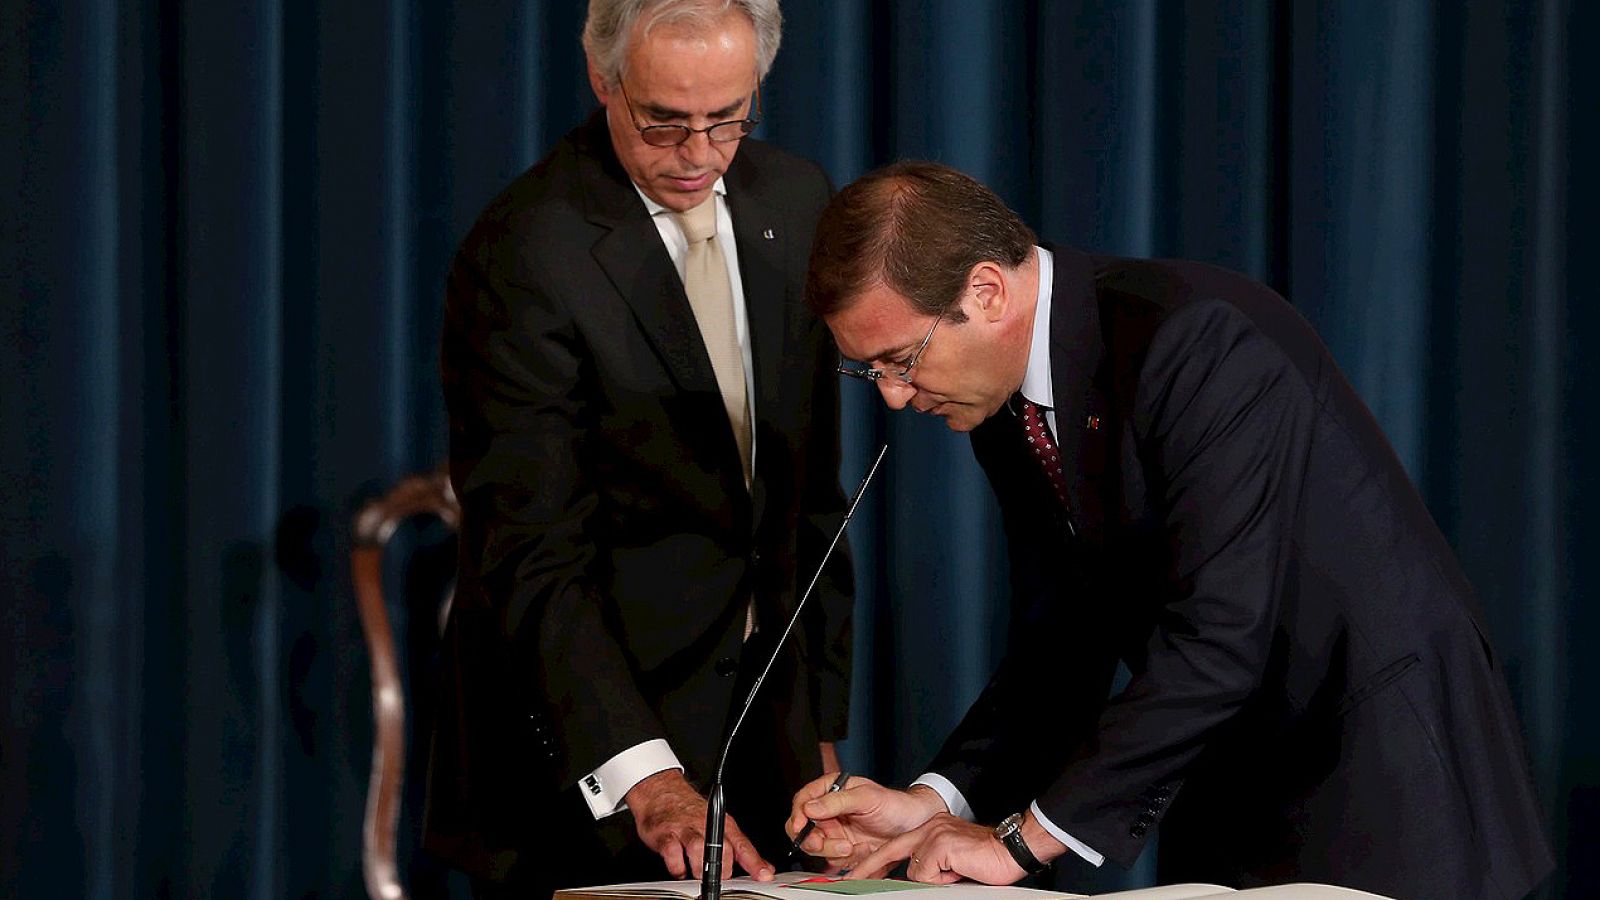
811, 824
855, 816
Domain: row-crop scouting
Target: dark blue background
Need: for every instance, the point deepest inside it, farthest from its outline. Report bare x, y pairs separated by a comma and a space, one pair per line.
225, 227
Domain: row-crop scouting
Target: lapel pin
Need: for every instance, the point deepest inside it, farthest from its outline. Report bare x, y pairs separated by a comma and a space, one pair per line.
768, 234
1092, 423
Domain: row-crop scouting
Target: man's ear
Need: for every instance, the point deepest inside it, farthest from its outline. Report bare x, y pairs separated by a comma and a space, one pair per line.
597, 83
988, 286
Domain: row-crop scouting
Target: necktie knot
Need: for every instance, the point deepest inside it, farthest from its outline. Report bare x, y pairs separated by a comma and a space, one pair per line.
1025, 408
700, 223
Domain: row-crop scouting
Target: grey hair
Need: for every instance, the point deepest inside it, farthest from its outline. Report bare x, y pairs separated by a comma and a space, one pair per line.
610, 26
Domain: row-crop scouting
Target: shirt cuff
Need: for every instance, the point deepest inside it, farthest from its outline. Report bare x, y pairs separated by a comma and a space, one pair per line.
605, 787
953, 799
1073, 844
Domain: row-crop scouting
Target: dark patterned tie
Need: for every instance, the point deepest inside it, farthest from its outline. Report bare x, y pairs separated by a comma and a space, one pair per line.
1042, 446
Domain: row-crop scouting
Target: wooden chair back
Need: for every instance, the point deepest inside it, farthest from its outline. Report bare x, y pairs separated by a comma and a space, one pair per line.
375, 525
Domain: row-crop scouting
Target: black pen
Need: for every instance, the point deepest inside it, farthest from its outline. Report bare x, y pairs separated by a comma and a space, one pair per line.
794, 847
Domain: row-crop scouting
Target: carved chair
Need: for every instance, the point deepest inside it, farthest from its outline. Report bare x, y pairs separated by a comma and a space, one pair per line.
430, 496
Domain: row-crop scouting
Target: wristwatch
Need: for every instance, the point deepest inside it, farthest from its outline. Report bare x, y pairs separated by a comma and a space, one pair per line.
1009, 832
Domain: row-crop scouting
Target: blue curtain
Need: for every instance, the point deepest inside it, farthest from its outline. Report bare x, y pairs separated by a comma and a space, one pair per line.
225, 228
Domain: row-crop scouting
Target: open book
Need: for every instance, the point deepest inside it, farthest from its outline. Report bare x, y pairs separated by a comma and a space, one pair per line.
801, 886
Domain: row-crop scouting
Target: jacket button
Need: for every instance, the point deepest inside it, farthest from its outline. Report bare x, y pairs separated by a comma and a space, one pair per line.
727, 666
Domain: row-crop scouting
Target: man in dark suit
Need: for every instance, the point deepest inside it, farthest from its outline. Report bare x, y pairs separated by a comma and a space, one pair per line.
644, 440
1189, 486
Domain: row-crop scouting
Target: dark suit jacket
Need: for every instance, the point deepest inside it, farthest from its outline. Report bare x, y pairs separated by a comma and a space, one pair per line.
1312, 694
609, 545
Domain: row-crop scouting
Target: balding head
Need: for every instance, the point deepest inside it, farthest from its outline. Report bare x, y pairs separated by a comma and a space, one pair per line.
916, 227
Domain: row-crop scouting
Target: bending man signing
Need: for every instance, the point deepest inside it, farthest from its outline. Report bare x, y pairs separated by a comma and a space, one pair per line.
1190, 488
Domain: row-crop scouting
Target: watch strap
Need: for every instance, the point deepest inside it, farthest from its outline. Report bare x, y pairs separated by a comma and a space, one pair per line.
1009, 832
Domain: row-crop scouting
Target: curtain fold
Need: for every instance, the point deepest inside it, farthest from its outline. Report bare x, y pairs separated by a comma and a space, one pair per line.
226, 230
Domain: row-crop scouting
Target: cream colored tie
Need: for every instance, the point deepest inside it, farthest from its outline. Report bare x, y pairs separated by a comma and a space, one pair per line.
705, 280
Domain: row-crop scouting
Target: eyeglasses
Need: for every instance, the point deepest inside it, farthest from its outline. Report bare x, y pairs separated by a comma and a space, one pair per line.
673, 135
874, 375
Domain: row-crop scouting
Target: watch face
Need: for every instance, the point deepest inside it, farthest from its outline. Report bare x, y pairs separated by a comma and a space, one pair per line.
1009, 824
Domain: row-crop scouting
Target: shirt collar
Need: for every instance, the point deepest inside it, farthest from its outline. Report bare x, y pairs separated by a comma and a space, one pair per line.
657, 209
1036, 384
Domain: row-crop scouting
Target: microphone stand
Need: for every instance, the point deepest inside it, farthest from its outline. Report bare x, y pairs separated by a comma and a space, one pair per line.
711, 877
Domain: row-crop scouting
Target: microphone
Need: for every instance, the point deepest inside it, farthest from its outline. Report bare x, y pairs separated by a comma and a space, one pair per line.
711, 877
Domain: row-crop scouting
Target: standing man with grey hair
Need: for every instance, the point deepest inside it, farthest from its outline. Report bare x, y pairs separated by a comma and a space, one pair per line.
644, 438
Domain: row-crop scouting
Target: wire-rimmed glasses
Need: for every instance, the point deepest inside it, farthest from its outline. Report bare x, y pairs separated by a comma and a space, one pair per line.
673, 135
874, 375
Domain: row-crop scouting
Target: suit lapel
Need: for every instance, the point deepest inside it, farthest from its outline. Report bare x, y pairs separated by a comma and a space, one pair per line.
761, 237
1082, 424
761, 240
652, 289
1016, 475
634, 259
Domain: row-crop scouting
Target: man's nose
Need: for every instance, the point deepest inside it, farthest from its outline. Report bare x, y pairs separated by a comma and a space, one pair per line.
896, 393
696, 151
